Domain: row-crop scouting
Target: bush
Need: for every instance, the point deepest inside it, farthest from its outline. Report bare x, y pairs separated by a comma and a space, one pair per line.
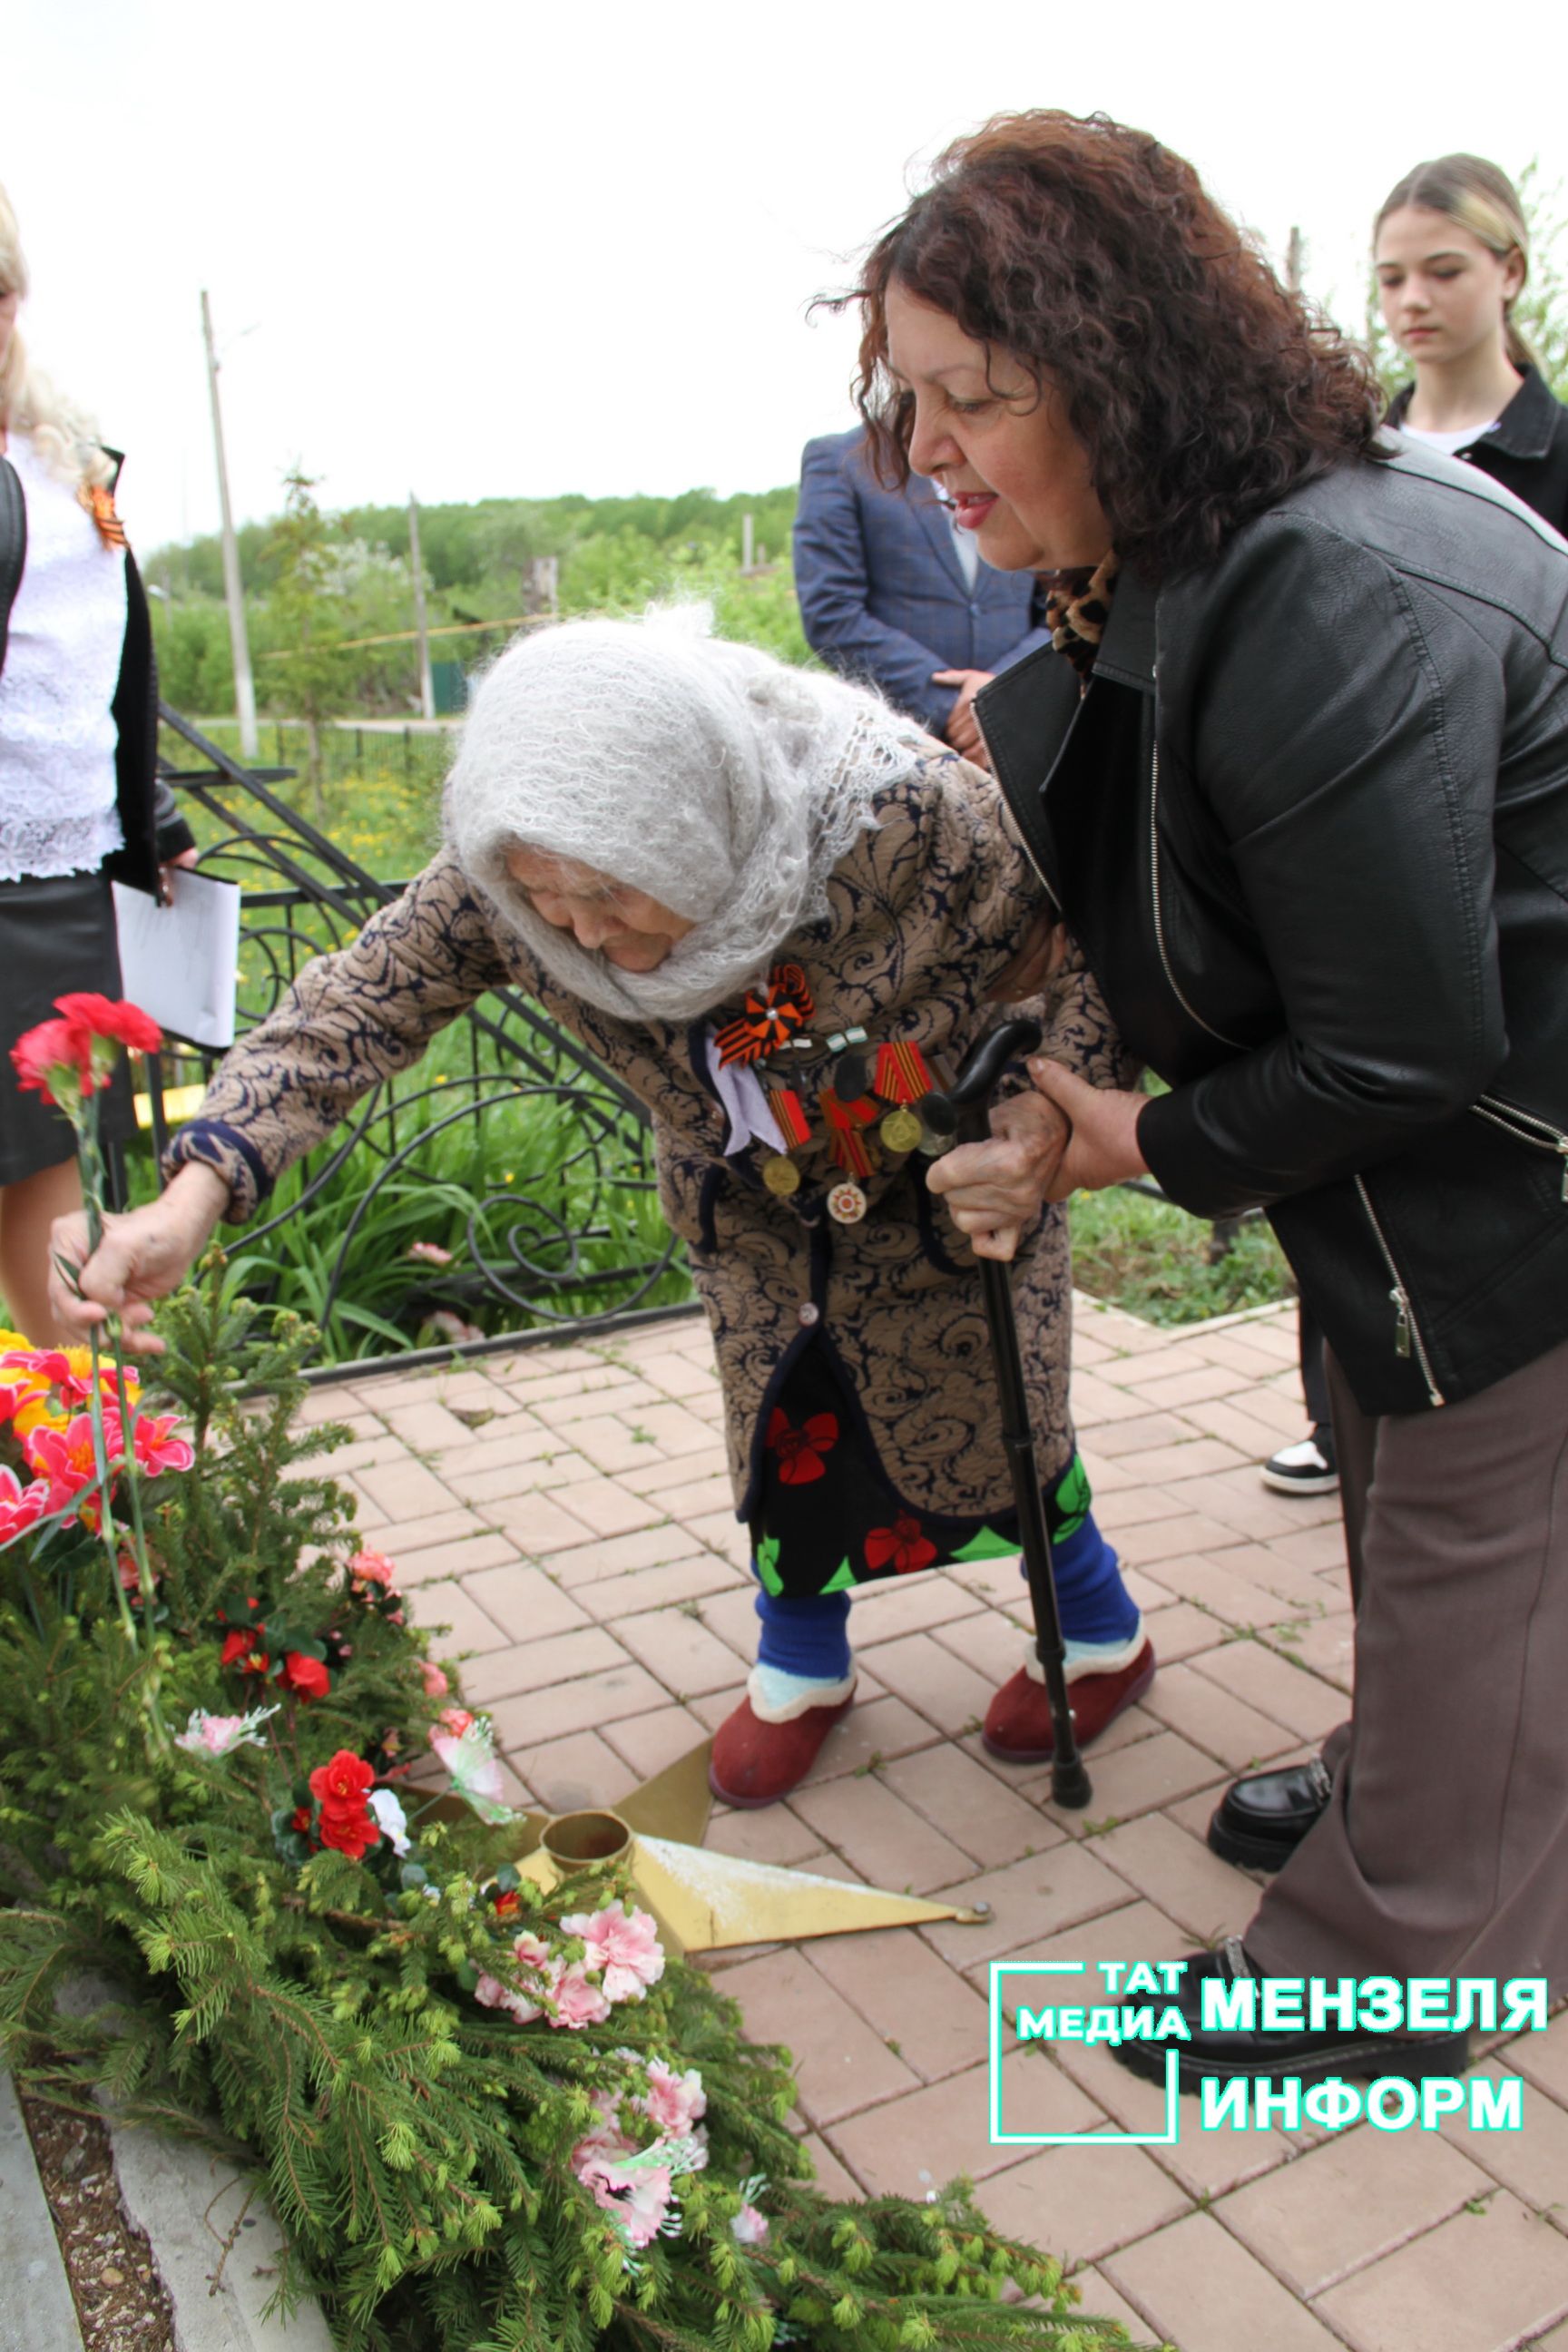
490, 2119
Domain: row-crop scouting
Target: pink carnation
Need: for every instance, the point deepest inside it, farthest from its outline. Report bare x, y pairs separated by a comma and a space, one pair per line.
372, 1568
639, 2198
491, 1993
577, 2002
430, 1253
750, 2226
626, 1946
454, 1720
436, 1681
674, 2102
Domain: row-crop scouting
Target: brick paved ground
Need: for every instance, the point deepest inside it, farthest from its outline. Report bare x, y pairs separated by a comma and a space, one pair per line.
565, 1512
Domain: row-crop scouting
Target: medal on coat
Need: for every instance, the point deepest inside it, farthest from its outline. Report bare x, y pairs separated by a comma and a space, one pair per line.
773, 1017
844, 1121
903, 1079
781, 1176
846, 1203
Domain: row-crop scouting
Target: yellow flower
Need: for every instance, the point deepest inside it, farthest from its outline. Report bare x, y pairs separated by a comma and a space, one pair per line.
9, 1339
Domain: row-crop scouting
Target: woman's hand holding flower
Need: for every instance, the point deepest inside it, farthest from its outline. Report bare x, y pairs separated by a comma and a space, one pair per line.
141, 1257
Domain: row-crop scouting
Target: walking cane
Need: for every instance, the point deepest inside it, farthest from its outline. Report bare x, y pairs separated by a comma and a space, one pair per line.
962, 1114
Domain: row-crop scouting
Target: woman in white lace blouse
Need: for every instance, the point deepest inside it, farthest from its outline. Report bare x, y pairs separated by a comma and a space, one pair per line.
79, 800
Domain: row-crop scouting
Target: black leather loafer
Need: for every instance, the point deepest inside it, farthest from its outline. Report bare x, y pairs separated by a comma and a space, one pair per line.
1261, 1821
1308, 2057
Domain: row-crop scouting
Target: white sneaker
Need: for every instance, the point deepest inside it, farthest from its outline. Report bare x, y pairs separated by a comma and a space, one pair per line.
1309, 1468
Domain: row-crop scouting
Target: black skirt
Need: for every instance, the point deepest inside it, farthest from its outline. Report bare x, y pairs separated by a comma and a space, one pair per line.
57, 935
826, 1516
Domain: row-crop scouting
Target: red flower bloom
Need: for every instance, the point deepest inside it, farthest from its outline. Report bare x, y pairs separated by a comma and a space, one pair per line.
902, 1543
20, 1505
302, 1820
156, 1451
66, 1458
126, 1024
307, 1676
801, 1450
506, 1902
239, 1649
340, 1788
55, 1060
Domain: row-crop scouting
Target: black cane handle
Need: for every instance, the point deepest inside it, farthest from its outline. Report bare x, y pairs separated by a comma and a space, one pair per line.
976, 1081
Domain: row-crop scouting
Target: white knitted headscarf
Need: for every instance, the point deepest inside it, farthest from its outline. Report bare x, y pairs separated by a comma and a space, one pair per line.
721, 782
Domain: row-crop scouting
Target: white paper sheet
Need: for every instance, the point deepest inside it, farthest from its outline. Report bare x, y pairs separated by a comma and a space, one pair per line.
179, 962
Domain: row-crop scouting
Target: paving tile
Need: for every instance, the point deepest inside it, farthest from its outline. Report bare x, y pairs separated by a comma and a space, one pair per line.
467, 1626
919, 1670
624, 1689
1543, 2057
1261, 1678
615, 1556
468, 1552
1481, 2283
1217, 1584
1212, 2295
680, 1651
1180, 1630
607, 1508
655, 1472
907, 2146
1207, 2164
506, 1472
649, 1742
561, 1661
1236, 1735
873, 1730
1325, 1645
612, 1598
769, 1833
526, 1604
833, 2176
1098, 2299
927, 2014
1350, 2202
404, 1489
991, 1823
1162, 1544
1078, 2203
1029, 1900
883, 1839
912, 1604
730, 1616
841, 2063
677, 1376
1181, 1877
1143, 1776
1533, 2161
723, 1532
407, 1540
1142, 1432
537, 1524
574, 1770
611, 1443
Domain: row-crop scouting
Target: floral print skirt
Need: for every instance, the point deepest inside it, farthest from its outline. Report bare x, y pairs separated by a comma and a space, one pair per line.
827, 1516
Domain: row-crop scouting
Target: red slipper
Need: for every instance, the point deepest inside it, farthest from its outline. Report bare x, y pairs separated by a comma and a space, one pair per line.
1017, 1725
755, 1762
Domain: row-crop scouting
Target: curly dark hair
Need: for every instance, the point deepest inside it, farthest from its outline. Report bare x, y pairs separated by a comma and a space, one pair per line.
1202, 389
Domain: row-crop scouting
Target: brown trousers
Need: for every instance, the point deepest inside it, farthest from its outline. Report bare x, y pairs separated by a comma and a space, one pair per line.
1444, 1849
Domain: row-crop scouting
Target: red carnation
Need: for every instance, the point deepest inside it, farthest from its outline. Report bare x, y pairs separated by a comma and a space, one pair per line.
239, 1650
55, 1060
340, 1788
305, 1675
125, 1023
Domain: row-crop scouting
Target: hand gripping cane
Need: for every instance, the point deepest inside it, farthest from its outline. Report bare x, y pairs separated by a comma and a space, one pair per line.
966, 1106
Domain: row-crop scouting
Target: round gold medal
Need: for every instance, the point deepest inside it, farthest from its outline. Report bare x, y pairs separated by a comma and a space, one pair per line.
781, 1175
900, 1130
847, 1205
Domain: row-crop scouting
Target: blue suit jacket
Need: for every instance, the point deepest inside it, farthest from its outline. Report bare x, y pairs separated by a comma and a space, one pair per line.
882, 593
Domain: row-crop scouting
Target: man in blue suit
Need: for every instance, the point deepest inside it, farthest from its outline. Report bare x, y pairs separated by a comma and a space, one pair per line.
892, 592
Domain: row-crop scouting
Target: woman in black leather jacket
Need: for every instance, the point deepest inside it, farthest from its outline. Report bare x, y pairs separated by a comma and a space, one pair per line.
1296, 773
80, 803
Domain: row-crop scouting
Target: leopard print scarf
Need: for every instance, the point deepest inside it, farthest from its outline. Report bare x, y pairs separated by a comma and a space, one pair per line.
1077, 605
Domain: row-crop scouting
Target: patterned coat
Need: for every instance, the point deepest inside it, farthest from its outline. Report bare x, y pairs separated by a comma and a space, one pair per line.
926, 912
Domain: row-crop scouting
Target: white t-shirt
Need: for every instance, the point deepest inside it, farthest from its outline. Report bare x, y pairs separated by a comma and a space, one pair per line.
58, 813
1451, 444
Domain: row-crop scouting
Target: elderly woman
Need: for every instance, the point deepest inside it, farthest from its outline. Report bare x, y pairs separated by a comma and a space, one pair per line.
1297, 775
79, 798
776, 910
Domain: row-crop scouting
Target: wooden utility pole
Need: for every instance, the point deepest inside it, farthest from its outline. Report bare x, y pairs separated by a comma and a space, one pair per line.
426, 683
243, 684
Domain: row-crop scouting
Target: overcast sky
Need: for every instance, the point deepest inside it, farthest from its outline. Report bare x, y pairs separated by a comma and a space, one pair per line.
486, 249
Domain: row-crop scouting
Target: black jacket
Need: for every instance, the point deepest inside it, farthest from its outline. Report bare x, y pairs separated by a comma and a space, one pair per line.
1320, 870
1528, 453
149, 822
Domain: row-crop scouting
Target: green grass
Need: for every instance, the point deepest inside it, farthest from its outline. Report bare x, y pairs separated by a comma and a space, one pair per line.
1153, 1259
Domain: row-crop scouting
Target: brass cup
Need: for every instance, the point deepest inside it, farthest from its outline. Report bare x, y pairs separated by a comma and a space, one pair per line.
573, 1841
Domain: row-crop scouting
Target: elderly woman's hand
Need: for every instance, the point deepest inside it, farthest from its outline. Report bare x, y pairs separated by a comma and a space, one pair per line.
995, 1191
143, 1256
1102, 1130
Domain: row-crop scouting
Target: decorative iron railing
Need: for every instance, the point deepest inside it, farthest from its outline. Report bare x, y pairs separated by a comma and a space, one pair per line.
568, 1238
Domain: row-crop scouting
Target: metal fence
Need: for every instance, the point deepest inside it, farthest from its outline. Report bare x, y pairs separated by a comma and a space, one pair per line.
567, 1251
